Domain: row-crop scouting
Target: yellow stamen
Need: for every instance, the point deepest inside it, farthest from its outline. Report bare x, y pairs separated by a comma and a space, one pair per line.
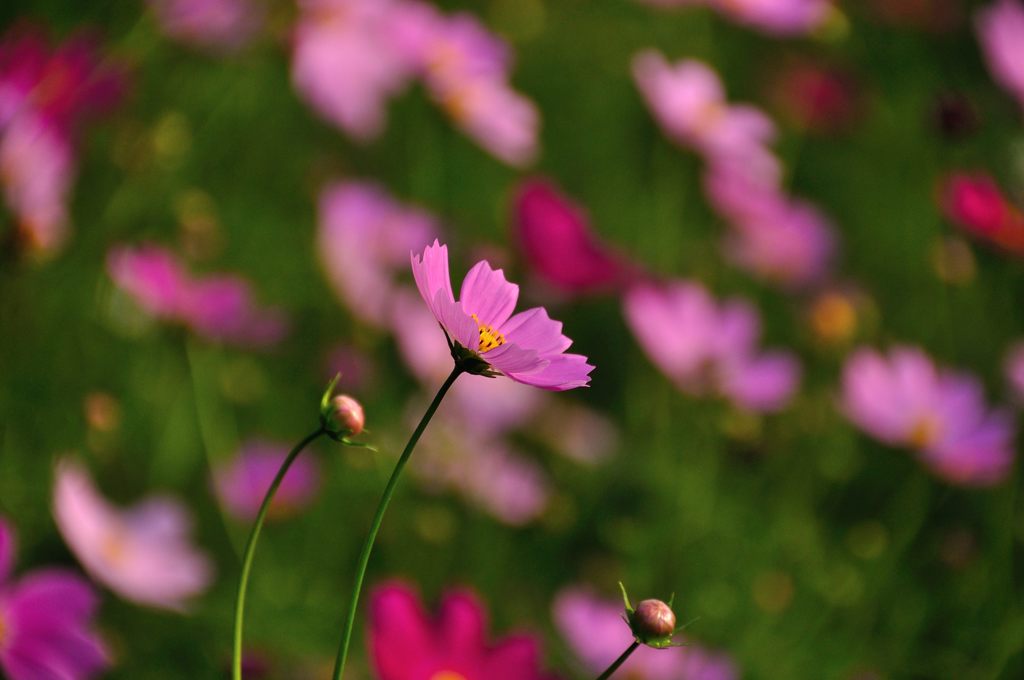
923, 433
488, 338
447, 675
3, 630
112, 547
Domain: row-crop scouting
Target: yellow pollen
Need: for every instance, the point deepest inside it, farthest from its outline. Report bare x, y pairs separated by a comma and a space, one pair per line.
447, 675
3, 630
112, 547
923, 433
488, 340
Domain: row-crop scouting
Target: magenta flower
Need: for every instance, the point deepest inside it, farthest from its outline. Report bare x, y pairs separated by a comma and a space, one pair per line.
904, 400
218, 26
709, 348
348, 61
597, 634
219, 308
242, 483
975, 203
364, 239
559, 245
1000, 28
46, 622
407, 644
486, 337
142, 553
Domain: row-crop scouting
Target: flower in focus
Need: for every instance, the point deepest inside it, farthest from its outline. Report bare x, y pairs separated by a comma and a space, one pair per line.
219, 26
364, 239
597, 634
142, 553
706, 347
407, 644
560, 246
487, 339
219, 308
903, 399
46, 622
977, 204
1000, 28
347, 61
242, 483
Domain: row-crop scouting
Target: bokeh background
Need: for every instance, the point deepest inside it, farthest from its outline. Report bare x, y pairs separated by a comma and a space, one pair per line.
794, 542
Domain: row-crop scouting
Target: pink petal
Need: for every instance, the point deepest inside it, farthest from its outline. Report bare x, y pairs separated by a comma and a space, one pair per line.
400, 637
486, 293
535, 330
462, 624
7, 545
431, 273
562, 372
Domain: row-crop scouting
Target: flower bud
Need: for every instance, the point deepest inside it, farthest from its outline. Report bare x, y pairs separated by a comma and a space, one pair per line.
653, 620
348, 413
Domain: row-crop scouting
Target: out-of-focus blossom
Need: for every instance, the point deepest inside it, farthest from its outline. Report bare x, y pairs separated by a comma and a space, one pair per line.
1000, 29
903, 399
688, 102
559, 245
242, 483
930, 15
142, 553
706, 347
774, 17
46, 622
406, 643
218, 26
347, 61
817, 97
45, 96
577, 432
219, 308
1013, 368
977, 204
364, 240
527, 347
597, 634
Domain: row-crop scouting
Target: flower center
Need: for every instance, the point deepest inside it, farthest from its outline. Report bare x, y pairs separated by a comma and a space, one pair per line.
447, 675
3, 630
924, 433
112, 547
488, 341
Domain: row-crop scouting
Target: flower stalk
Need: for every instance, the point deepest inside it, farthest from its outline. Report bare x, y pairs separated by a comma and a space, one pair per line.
618, 662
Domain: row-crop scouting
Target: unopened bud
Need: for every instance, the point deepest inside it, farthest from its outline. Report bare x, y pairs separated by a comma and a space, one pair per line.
653, 620
348, 413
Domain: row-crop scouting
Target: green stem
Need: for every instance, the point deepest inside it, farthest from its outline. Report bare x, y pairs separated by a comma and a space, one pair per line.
618, 662
250, 549
385, 499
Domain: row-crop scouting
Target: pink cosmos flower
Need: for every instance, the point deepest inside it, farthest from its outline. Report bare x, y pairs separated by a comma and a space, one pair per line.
46, 622
977, 204
1000, 28
688, 102
528, 347
903, 399
219, 308
597, 634
348, 61
242, 483
364, 239
407, 644
219, 26
706, 347
560, 246
142, 553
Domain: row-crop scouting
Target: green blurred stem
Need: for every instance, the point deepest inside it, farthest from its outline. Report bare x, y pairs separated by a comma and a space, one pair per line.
250, 548
385, 499
618, 662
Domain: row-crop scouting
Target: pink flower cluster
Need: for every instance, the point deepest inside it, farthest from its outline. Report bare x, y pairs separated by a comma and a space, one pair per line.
242, 483
774, 17
706, 347
45, 96
218, 26
219, 308
904, 399
773, 236
1000, 28
352, 56
975, 203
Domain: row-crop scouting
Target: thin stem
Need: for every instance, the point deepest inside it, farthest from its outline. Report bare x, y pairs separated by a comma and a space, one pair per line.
385, 499
618, 662
250, 549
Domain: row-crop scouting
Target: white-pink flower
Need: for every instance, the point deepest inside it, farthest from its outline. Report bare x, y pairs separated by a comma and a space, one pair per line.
215, 25
1000, 28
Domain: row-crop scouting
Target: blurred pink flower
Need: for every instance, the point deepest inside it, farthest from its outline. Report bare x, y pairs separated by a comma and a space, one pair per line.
976, 203
903, 399
46, 622
577, 432
816, 96
688, 102
348, 61
219, 308
1000, 28
528, 347
597, 634
406, 643
1013, 368
219, 26
142, 553
364, 239
559, 245
774, 17
242, 483
706, 347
